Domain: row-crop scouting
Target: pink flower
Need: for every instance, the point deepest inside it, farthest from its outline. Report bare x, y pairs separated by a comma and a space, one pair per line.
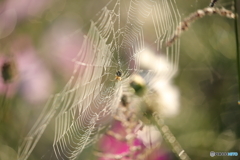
34, 81
109, 145
62, 43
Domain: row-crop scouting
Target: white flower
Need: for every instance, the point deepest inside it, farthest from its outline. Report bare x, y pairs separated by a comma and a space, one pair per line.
159, 83
149, 135
157, 94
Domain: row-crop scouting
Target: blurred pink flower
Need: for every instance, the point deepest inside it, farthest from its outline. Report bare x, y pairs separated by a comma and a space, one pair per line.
111, 146
34, 82
62, 43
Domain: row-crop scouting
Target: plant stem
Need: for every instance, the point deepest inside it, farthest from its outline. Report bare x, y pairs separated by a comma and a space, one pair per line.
237, 47
3, 108
169, 137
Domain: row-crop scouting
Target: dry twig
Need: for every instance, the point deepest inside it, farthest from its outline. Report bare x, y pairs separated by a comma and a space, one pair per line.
184, 25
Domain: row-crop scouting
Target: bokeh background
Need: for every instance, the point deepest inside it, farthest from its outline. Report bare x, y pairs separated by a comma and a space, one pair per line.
39, 39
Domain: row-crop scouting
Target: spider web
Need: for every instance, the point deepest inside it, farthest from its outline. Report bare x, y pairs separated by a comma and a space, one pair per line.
90, 97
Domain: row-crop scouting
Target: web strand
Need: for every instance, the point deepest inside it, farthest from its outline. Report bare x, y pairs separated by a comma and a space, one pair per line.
90, 98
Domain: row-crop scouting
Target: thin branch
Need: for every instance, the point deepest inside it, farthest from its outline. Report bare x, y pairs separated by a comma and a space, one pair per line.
237, 47
148, 152
212, 3
170, 138
116, 136
197, 15
3, 106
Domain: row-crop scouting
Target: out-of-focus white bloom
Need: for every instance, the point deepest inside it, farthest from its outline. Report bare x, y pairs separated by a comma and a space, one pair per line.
168, 98
156, 63
160, 95
149, 135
